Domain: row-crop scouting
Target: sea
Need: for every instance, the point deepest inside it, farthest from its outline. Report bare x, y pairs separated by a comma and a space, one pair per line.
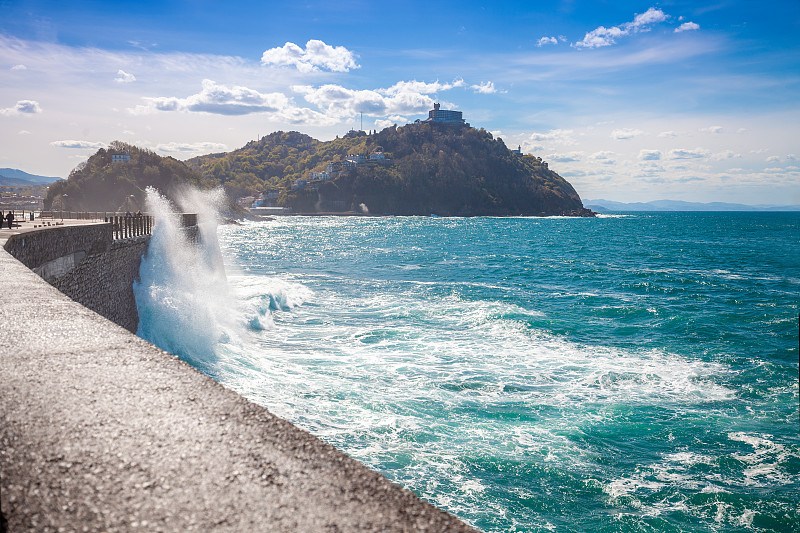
627, 373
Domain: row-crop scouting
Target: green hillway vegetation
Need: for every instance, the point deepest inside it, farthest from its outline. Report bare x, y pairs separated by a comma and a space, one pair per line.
423, 169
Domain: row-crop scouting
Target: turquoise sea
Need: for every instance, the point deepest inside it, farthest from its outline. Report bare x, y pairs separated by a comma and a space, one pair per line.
633, 372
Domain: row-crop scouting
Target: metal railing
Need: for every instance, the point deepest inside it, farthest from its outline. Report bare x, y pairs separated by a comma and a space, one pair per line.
123, 225
127, 226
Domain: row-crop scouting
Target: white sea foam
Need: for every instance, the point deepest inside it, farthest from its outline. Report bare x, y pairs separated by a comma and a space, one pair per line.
417, 379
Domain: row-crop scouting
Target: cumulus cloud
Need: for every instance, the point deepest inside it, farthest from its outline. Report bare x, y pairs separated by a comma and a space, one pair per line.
124, 77
683, 153
316, 56
220, 100
338, 101
78, 144
421, 87
603, 36
625, 133
712, 129
668, 134
23, 107
546, 40
687, 26
191, 148
649, 155
485, 88
19, 67
402, 98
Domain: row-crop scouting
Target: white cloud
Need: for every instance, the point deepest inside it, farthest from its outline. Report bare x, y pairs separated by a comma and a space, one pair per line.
552, 136
19, 67
668, 134
485, 88
402, 98
687, 26
625, 133
191, 148
603, 36
649, 155
773, 159
565, 157
712, 129
421, 87
546, 40
124, 77
23, 107
604, 157
382, 123
220, 100
316, 56
727, 154
78, 144
683, 153
339, 102
23, 132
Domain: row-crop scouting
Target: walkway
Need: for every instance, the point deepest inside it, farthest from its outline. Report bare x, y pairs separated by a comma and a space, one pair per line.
102, 431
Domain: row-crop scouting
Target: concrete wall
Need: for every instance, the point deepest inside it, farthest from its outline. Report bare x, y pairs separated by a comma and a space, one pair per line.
86, 264
102, 431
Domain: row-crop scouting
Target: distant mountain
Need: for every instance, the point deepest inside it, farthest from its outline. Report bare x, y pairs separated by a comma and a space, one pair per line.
677, 205
18, 178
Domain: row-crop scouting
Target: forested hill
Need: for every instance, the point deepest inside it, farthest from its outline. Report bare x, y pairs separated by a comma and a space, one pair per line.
101, 184
426, 169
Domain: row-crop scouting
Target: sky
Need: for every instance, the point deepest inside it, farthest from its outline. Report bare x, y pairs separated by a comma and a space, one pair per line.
628, 100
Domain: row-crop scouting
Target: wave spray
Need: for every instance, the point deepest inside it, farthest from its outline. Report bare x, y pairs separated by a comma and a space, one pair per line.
182, 296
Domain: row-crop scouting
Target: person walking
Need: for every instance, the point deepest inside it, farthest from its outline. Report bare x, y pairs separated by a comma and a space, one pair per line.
10, 219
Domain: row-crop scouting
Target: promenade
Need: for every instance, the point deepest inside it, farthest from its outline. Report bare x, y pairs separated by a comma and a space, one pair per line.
102, 431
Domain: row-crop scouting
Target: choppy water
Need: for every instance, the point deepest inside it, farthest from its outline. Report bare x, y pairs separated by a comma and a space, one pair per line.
625, 373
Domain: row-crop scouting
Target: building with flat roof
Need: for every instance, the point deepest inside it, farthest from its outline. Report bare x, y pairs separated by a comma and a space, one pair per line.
445, 116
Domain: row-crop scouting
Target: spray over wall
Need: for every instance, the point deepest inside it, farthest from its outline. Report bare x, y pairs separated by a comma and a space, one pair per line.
182, 297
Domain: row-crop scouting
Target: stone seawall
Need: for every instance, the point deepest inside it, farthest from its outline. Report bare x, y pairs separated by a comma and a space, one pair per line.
86, 264
102, 431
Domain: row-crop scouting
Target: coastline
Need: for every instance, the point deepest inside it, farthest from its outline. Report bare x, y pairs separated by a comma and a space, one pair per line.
103, 430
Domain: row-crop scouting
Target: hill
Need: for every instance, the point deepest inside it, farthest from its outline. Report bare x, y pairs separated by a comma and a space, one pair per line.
418, 169
677, 205
13, 177
101, 184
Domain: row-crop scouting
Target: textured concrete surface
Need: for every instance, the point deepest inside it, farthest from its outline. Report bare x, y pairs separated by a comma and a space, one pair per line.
102, 431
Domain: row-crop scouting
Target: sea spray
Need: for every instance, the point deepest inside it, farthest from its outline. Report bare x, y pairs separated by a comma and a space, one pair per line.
525, 374
182, 296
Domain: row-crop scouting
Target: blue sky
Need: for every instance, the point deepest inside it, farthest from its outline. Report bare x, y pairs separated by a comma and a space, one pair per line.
630, 101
